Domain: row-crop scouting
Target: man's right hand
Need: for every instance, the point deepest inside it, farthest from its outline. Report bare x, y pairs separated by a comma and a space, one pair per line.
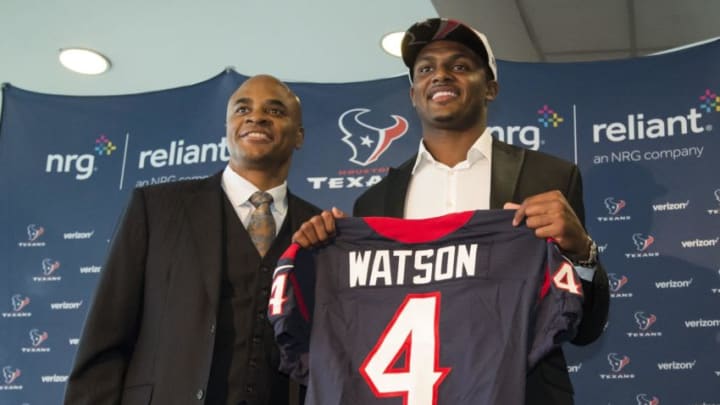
318, 229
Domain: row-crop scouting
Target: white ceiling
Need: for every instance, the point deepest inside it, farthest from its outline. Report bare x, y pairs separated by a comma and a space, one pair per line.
160, 44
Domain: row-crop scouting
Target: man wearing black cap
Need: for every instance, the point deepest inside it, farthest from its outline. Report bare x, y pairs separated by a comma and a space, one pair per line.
459, 166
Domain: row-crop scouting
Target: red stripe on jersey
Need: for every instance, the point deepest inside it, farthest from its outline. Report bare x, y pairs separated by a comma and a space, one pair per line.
545, 289
418, 230
291, 251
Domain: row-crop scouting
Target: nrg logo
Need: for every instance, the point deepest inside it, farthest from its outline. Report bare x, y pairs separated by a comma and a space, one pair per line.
83, 166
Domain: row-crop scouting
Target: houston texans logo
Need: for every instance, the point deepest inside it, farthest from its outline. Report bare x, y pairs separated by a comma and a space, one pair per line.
642, 242
642, 399
34, 232
644, 321
10, 374
613, 206
617, 363
37, 337
717, 195
615, 282
49, 266
18, 302
368, 143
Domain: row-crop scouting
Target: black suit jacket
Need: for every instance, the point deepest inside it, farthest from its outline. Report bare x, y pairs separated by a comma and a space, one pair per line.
149, 335
516, 174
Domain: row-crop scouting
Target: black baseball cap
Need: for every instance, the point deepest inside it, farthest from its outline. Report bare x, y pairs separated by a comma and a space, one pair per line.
435, 29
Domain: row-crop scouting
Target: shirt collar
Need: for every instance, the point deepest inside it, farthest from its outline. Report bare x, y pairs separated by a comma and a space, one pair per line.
238, 189
482, 148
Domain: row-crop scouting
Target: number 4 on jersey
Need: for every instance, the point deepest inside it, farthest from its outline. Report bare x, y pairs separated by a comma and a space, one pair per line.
565, 279
412, 334
277, 294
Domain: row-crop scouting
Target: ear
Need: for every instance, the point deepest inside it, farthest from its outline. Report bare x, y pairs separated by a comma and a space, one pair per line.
492, 90
300, 138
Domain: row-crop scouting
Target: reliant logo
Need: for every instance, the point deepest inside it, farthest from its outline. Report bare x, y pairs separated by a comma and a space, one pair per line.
676, 365
37, 338
673, 284
616, 284
34, 232
59, 306
18, 302
643, 399
637, 127
574, 368
78, 235
528, 136
617, 364
671, 206
702, 323
644, 322
179, 154
613, 208
83, 166
699, 243
10, 374
49, 379
642, 242
368, 142
90, 269
49, 266
715, 211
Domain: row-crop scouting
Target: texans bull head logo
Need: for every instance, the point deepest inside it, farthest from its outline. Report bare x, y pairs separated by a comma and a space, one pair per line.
644, 321
37, 337
34, 232
642, 242
614, 206
19, 302
616, 282
642, 399
617, 362
10, 374
367, 142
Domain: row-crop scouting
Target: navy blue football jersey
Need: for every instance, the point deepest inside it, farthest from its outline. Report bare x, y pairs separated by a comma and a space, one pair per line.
448, 310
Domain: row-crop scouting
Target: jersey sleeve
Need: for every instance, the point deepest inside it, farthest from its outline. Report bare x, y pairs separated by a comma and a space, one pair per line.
559, 308
290, 310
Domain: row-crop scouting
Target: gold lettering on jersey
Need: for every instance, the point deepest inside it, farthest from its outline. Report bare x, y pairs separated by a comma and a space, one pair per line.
371, 268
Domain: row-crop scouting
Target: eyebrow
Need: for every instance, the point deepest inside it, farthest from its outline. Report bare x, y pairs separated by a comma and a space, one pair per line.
272, 101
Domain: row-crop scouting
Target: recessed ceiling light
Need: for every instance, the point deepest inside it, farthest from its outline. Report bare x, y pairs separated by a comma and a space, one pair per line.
391, 43
85, 61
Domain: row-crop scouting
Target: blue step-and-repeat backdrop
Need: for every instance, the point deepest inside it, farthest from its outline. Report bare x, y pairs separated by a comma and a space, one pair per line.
644, 132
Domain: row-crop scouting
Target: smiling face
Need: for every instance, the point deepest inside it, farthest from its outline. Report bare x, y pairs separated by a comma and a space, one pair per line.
264, 125
451, 88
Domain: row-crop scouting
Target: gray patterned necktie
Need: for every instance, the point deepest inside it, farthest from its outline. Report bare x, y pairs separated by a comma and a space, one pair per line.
261, 226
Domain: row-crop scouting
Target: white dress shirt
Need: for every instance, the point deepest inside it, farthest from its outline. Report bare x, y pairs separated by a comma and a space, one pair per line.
436, 189
239, 190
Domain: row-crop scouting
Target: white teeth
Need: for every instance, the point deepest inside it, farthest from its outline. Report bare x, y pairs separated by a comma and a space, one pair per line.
440, 94
257, 135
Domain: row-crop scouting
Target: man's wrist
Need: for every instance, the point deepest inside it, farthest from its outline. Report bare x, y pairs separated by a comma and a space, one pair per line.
591, 259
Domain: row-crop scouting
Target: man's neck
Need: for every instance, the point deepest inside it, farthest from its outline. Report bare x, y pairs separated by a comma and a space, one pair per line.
262, 179
450, 147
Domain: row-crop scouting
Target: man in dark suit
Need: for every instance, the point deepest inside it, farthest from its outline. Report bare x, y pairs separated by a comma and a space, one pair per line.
179, 313
460, 167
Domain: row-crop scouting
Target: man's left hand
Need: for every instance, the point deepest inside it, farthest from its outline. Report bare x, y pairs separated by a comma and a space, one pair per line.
551, 216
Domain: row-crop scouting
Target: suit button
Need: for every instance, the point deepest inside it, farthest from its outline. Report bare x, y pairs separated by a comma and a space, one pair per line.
200, 394
250, 388
212, 329
264, 269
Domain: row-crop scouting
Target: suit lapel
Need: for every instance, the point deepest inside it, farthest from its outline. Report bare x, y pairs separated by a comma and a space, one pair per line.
397, 187
203, 211
507, 162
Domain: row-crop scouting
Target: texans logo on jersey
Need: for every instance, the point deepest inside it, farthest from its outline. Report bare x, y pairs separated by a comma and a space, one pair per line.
367, 142
642, 242
644, 321
617, 363
613, 206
